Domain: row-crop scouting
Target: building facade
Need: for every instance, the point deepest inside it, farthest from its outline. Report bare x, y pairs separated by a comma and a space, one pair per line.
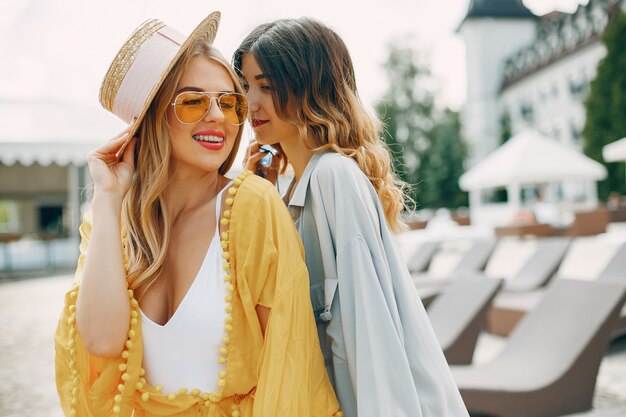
529, 71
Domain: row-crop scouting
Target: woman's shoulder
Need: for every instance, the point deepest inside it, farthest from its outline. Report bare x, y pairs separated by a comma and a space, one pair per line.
335, 162
339, 177
251, 185
335, 167
253, 191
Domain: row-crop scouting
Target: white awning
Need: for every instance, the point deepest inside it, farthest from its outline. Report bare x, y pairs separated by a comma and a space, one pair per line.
45, 153
616, 151
530, 158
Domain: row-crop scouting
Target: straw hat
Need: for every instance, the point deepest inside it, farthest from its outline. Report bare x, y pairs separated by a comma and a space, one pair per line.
143, 63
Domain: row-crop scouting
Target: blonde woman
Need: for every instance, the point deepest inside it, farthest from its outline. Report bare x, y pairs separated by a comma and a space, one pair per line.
380, 350
192, 292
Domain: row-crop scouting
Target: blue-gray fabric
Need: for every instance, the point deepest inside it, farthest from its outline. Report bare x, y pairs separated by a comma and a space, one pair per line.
381, 353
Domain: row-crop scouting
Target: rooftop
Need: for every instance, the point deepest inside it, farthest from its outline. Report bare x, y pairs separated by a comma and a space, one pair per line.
498, 8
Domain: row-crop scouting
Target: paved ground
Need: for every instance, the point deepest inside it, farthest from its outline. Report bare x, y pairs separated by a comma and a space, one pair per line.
29, 311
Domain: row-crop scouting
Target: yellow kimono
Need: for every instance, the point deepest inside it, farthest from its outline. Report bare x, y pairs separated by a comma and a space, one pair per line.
281, 374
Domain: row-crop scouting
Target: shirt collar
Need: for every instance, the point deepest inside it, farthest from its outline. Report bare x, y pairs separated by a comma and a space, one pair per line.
299, 194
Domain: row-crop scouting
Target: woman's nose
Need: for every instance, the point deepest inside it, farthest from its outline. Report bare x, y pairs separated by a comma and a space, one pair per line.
253, 102
253, 106
215, 113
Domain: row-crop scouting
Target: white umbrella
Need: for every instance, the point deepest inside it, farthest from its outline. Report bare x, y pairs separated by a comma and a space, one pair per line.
530, 158
616, 151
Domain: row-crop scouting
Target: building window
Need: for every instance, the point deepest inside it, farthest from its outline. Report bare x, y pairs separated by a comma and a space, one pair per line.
51, 219
555, 90
599, 18
543, 51
544, 91
577, 85
569, 35
577, 134
9, 216
583, 25
527, 112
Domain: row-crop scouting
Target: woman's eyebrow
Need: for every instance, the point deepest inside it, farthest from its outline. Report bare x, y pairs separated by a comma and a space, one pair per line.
190, 88
199, 90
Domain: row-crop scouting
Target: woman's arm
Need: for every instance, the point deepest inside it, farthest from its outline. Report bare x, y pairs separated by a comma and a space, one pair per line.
264, 314
102, 307
370, 366
386, 358
269, 261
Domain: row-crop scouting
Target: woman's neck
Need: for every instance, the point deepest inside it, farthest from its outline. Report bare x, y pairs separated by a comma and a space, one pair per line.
298, 154
192, 191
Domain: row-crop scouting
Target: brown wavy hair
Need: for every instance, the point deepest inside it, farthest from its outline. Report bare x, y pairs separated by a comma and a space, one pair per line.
144, 211
314, 87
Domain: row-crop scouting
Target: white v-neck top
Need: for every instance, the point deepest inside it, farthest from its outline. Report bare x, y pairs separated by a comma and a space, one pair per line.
184, 352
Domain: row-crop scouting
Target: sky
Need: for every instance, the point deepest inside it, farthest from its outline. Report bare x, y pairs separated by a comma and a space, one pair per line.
59, 50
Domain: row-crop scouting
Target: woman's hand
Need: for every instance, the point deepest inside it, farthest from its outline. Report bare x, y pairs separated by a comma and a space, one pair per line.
110, 173
252, 162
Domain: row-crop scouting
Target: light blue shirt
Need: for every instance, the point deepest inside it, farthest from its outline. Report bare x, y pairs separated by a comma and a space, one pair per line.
381, 353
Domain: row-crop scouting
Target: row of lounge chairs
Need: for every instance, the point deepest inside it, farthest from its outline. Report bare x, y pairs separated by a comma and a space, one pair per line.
509, 307
559, 320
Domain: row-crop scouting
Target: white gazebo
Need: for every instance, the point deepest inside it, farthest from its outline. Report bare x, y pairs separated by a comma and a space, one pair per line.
529, 158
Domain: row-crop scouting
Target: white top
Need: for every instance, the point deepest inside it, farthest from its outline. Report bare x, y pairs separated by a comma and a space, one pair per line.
184, 351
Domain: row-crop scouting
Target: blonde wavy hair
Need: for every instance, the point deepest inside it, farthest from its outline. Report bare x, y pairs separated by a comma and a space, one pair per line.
310, 71
144, 210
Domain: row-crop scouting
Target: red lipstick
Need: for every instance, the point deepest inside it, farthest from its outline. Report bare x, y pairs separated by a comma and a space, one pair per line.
256, 122
212, 146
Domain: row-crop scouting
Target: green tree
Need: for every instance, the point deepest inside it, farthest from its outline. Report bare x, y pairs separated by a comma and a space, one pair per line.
446, 162
506, 130
606, 105
427, 149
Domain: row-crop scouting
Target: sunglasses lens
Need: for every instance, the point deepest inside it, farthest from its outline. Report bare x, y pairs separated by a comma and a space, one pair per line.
235, 108
191, 107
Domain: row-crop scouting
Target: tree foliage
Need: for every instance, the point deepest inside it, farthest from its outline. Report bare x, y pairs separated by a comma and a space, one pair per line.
606, 105
425, 142
506, 130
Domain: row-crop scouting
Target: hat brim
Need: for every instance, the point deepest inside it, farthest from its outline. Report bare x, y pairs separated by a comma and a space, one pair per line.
206, 30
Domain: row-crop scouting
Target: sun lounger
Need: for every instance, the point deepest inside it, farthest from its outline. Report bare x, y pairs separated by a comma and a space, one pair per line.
550, 363
509, 307
471, 262
476, 258
459, 314
540, 266
616, 272
419, 260
535, 269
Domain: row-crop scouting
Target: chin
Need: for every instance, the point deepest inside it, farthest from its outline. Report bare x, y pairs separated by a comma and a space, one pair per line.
205, 164
266, 141
213, 166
